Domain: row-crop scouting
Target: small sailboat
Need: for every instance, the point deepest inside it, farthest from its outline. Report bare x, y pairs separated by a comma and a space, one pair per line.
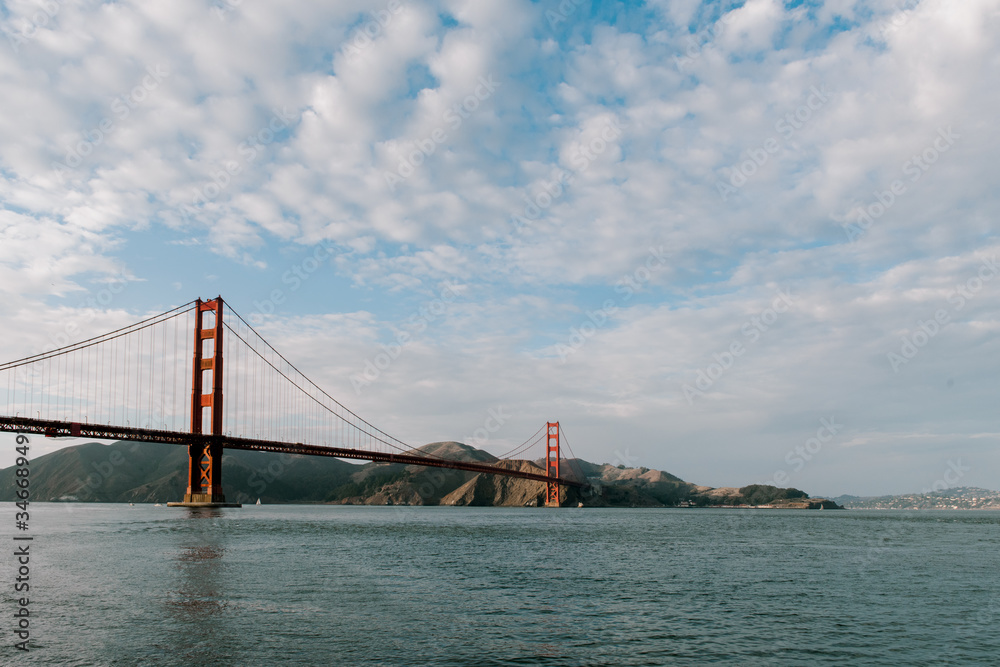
258, 501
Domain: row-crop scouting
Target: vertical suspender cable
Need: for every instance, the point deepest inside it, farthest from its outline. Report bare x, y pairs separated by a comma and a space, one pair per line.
86, 384
125, 391
114, 384
138, 378
163, 378
152, 367
173, 388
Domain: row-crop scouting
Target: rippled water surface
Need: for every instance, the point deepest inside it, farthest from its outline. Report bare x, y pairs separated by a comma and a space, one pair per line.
331, 585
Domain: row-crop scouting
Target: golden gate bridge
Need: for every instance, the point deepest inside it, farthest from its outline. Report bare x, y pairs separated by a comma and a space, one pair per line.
223, 387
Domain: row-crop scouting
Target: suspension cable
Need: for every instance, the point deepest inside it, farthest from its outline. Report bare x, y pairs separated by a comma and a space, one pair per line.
111, 335
527, 443
384, 440
573, 462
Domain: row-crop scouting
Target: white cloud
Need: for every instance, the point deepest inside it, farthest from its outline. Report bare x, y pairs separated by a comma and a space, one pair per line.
752, 26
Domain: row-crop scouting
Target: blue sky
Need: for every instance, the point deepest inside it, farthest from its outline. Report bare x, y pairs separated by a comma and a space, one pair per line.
617, 193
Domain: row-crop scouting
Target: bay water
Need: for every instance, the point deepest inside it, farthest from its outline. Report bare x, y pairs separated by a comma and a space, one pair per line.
342, 585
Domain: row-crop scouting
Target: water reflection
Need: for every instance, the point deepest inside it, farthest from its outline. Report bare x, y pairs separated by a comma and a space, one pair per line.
199, 587
199, 561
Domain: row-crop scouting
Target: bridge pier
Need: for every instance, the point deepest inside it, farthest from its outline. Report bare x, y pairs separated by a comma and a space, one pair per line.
204, 487
204, 478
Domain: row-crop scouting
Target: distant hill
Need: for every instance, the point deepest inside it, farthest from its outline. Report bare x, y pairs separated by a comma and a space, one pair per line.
960, 498
149, 472
155, 473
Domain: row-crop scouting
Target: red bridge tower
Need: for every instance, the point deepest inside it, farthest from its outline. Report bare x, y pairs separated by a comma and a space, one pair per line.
552, 463
205, 459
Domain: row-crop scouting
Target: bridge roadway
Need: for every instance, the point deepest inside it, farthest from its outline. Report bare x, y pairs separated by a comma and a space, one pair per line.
57, 429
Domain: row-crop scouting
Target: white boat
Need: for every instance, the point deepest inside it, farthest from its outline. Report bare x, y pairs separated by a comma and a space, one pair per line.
258, 501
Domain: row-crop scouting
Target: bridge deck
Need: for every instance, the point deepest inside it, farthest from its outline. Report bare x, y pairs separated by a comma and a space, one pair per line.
52, 428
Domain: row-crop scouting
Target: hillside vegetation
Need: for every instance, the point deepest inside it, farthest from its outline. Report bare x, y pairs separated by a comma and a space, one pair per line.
156, 473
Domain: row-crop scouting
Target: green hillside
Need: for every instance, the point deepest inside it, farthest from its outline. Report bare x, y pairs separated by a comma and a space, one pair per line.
148, 473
